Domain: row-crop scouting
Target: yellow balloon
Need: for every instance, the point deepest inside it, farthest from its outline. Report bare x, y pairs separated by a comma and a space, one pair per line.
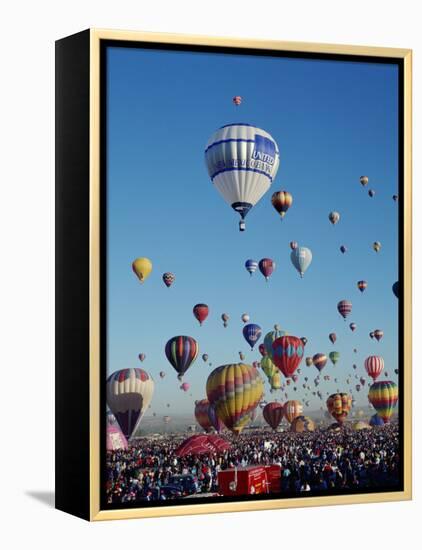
142, 267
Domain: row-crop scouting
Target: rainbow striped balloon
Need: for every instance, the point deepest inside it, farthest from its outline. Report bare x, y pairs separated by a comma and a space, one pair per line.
384, 396
235, 391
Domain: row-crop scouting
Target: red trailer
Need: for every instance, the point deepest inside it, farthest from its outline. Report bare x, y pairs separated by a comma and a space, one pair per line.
273, 478
251, 480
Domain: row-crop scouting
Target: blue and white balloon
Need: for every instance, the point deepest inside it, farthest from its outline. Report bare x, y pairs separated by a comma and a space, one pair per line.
242, 162
251, 266
301, 259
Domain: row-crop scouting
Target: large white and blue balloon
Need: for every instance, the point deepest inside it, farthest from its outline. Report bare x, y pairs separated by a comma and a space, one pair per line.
242, 162
301, 259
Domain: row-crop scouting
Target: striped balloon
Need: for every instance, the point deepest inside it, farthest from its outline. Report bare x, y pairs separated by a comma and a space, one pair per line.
237, 100
378, 334
339, 405
129, 393
384, 396
282, 201
242, 162
251, 266
181, 352
235, 391
374, 365
292, 409
202, 414
287, 354
215, 421
319, 360
273, 414
344, 307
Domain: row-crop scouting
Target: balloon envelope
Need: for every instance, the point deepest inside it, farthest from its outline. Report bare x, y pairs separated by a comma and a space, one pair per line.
142, 268
301, 259
234, 390
181, 352
129, 393
273, 414
287, 354
242, 162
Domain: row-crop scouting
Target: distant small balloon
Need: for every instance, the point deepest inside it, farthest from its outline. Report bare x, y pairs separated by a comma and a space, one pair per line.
225, 318
371, 193
364, 180
378, 334
266, 267
251, 266
333, 337
395, 198
376, 246
362, 285
343, 249
334, 217
168, 279
142, 357
245, 318
396, 289
293, 245
237, 100
352, 326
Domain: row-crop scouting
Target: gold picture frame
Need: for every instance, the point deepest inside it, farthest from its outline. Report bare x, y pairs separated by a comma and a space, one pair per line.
90, 46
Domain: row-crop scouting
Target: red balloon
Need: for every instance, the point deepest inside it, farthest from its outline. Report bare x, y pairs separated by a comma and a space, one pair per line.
287, 354
201, 312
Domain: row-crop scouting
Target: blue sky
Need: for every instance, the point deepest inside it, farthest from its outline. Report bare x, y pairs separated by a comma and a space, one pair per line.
333, 122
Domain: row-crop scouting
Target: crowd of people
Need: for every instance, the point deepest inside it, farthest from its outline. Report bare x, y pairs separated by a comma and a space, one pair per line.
314, 462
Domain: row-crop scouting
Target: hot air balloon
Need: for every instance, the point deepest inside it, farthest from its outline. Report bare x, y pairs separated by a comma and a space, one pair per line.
270, 337
364, 180
273, 414
292, 409
384, 396
343, 249
251, 266
215, 421
266, 267
201, 311
287, 354
396, 289
252, 333
371, 335
360, 425
142, 357
333, 337
308, 361
241, 356
301, 259
245, 317
185, 386
319, 360
205, 357
235, 391
129, 393
142, 268
304, 340
181, 352
376, 420
362, 285
293, 245
202, 414
353, 327
268, 368
225, 318
262, 350
168, 279
395, 198
371, 193
344, 307
282, 201
302, 424
334, 217
162, 374
243, 173
237, 100
334, 357
374, 365
339, 405
378, 334
376, 246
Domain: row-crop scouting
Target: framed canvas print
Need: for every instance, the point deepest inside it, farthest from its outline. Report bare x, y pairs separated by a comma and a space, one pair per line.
233, 274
